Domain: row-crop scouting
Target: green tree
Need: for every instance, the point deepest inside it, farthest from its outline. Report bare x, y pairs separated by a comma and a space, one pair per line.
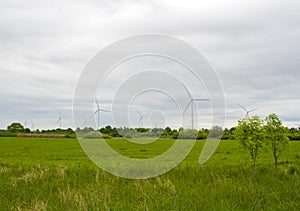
250, 133
15, 127
202, 134
168, 132
27, 130
175, 134
115, 133
276, 137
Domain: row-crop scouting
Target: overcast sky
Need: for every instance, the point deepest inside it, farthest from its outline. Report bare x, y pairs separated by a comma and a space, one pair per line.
44, 46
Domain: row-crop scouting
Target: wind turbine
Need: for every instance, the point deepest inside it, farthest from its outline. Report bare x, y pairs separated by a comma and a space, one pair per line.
247, 111
140, 123
192, 100
98, 111
59, 120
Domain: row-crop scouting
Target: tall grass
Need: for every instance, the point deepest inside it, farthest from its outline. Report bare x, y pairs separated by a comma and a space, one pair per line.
54, 174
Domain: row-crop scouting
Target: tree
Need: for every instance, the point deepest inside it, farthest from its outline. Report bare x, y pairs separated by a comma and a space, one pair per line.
15, 127
168, 132
175, 134
276, 137
250, 133
115, 133
27, 130
202, 134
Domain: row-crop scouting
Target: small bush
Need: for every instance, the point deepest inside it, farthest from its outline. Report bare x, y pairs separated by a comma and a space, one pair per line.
94, 134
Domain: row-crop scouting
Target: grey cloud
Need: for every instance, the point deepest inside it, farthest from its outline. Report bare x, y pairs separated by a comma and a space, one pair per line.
252, 44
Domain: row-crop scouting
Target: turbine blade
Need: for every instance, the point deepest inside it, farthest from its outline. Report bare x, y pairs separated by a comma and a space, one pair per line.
203, 99
97, 103
187, 106
243, 107
253, 110
93, 115
187, 91
104, 110
100, 109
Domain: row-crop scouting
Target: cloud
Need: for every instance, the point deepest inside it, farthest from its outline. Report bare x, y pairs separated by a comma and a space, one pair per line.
253, 45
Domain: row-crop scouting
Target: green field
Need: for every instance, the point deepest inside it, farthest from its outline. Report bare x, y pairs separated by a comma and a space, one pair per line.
55, 174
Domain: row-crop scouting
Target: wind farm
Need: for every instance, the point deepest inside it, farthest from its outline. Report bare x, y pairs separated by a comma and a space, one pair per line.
149, 105
50, 168
50, 163
53, 161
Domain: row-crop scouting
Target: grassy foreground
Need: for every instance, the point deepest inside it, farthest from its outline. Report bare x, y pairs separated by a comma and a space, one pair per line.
55, 174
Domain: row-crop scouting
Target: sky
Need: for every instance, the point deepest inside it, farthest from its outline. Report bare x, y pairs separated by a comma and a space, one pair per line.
45, 45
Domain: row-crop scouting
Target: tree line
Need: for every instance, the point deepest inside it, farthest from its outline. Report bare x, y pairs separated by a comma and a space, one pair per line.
16, 128
201, 134
126, 132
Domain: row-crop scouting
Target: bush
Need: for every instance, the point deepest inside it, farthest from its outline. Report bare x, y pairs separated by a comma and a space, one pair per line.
5, 133
188, 134
94, 134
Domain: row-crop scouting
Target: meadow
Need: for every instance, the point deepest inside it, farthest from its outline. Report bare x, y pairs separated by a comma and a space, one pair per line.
55, 174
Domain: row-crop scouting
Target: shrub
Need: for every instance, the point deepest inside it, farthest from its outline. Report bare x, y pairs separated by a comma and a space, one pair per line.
94, 134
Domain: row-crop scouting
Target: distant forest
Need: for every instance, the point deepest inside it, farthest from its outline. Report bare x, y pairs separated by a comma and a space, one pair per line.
17, 129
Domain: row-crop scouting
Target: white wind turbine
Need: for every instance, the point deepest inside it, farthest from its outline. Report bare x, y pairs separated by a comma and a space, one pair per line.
59, 120
140, 123
192, 100
247, 111
98, 111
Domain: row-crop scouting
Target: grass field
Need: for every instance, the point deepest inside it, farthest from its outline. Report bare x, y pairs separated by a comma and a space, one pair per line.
55, 174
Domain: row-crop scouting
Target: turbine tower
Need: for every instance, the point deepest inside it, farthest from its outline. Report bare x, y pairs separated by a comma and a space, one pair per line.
247, 111
98, 111
192, 101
